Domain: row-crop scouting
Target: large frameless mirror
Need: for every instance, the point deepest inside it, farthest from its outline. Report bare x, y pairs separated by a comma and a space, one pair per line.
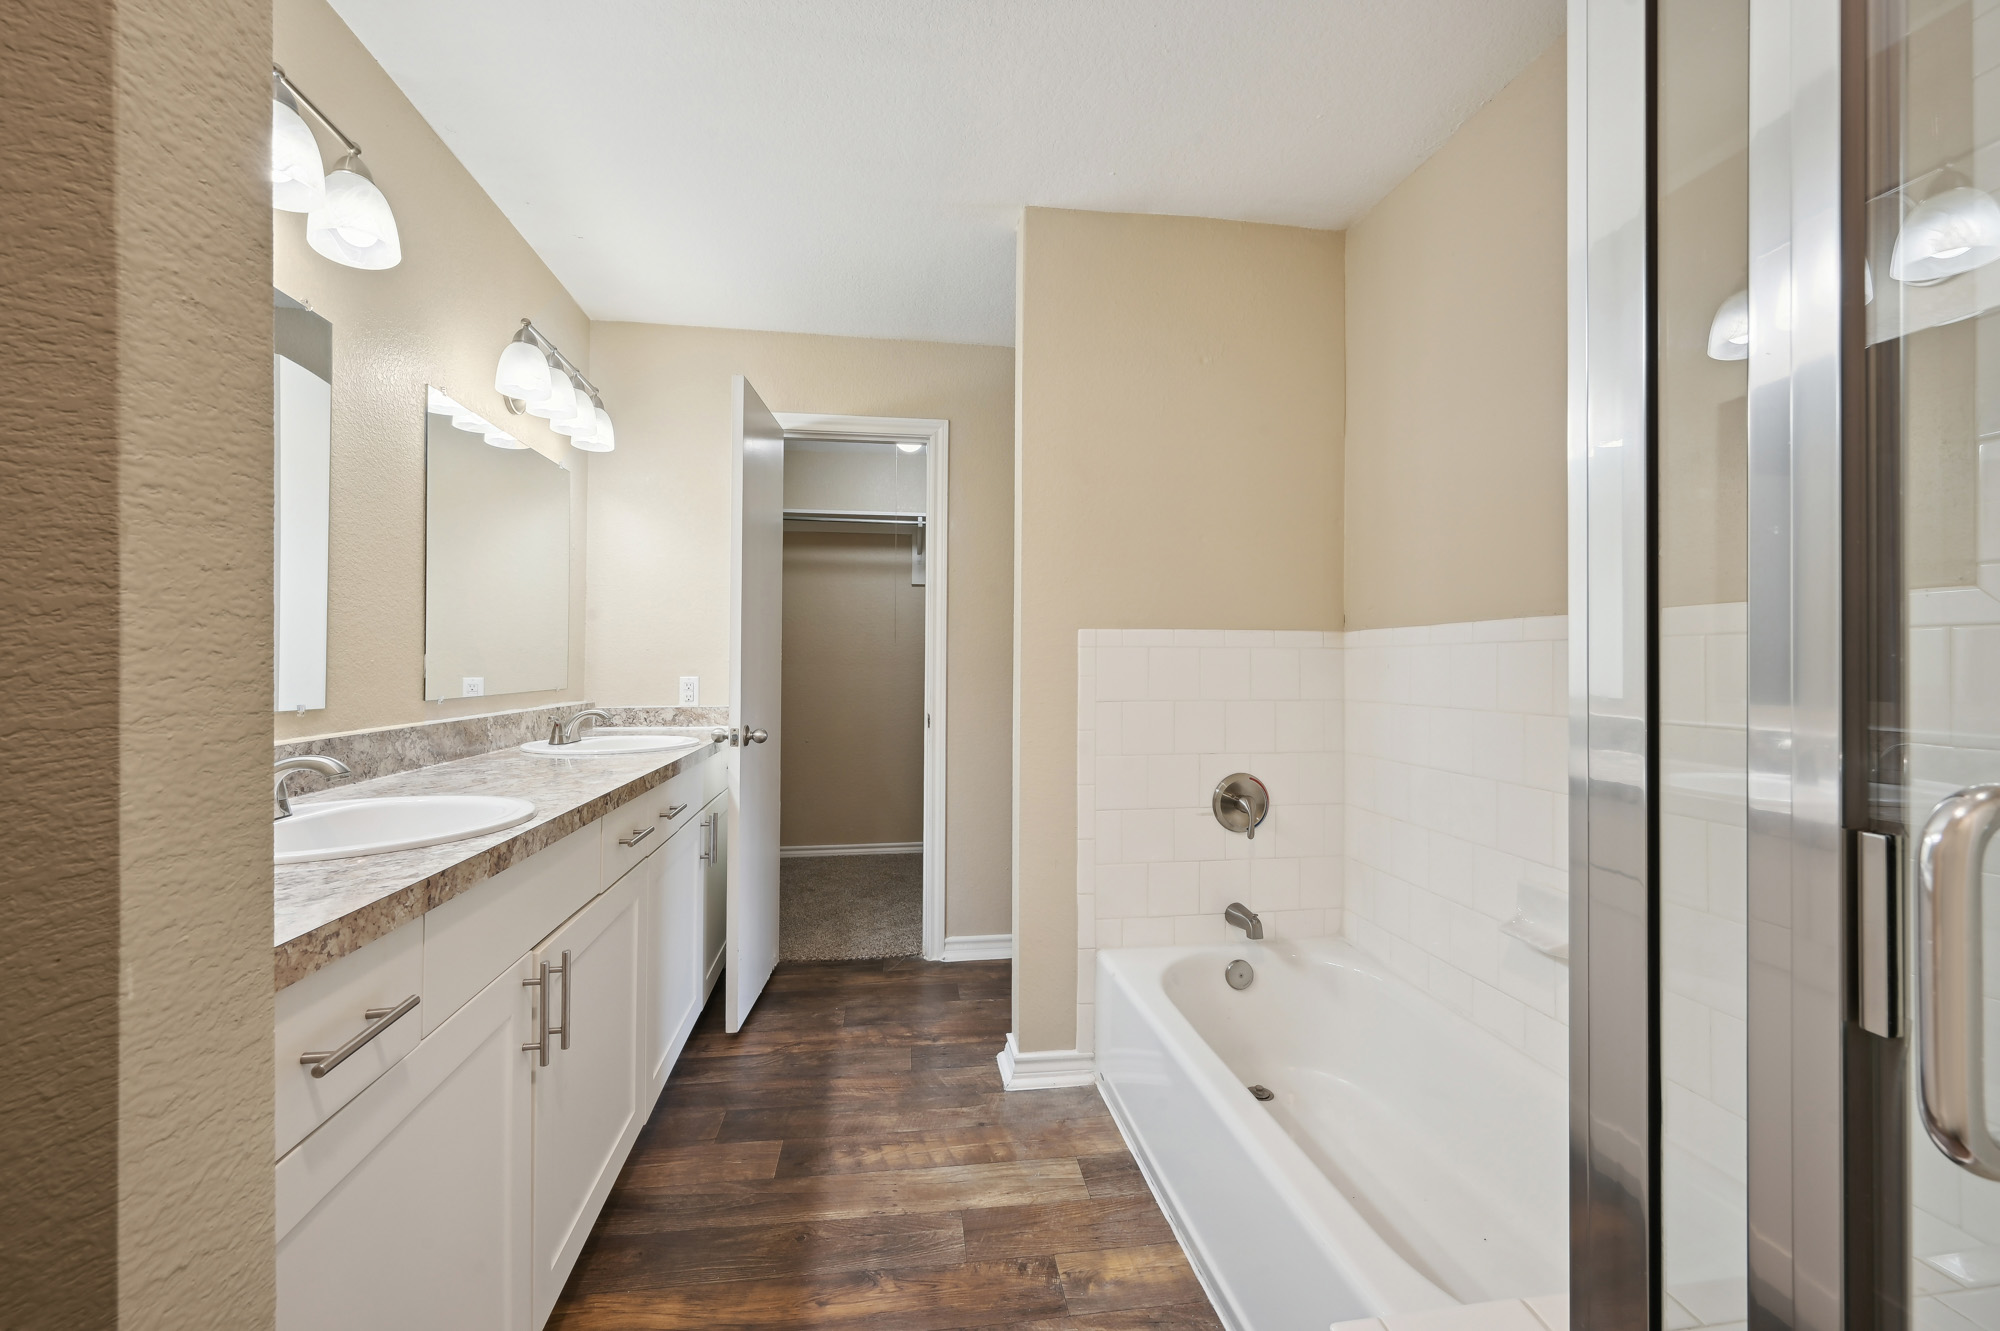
496, 560
302, 417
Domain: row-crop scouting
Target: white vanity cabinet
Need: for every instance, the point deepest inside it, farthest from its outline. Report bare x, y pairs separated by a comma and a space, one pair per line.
590, 1099
409, 1207
455, 1188
672, 882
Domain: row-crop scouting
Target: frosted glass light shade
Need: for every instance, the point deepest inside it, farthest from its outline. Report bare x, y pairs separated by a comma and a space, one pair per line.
298, 180
904, 446
560, 404
354, 225
523, 372
600, 438
582, 418
1945, 235
1729, 331
501, 439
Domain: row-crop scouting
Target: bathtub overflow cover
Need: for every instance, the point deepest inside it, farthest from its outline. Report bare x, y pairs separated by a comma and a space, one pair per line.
1263, 1093
1239, 974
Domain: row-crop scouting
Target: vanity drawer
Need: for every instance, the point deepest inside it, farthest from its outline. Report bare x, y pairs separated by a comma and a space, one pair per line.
325, 1011
635, 830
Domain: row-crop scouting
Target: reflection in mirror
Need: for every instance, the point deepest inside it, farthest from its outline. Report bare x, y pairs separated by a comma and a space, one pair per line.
302, 411
496, 560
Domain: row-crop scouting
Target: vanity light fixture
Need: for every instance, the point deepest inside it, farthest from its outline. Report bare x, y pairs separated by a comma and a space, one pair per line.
1729, 331
298, 180
350, 222
440, 403
572, 405
1945, 235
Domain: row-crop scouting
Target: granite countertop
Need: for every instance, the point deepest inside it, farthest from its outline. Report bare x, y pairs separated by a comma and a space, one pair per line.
325, 909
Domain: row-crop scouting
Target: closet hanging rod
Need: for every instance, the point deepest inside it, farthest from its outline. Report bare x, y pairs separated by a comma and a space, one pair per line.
871, 519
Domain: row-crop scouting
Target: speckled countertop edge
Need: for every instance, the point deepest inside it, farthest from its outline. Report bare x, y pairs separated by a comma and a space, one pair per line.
325, 909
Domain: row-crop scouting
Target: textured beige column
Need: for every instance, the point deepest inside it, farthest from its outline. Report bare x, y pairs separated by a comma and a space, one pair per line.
135, 496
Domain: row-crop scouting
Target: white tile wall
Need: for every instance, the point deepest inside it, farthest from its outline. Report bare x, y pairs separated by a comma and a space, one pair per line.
1162, 716
1457, 779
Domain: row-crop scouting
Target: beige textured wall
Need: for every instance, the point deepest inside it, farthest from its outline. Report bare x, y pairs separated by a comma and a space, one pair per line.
854, 691
659, 537
135, 499
1178, 463
466, 281
1455, 371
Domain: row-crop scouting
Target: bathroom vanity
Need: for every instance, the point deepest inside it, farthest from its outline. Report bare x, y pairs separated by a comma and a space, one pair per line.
529, 991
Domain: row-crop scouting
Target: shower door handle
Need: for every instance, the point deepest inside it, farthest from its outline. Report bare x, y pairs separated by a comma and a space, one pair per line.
1950, 978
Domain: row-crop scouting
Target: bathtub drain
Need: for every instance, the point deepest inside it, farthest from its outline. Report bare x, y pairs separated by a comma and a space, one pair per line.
1263, 1093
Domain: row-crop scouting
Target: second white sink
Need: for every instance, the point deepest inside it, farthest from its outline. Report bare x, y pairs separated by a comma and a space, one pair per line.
338, 829
603, 743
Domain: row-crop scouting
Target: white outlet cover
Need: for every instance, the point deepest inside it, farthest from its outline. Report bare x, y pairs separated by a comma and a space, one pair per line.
690, 691
472, 686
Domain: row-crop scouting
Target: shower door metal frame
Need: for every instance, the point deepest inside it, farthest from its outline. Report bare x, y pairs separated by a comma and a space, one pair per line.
1796, 906
1614, 714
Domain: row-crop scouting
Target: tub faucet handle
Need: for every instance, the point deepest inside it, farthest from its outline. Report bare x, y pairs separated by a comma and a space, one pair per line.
1245, 919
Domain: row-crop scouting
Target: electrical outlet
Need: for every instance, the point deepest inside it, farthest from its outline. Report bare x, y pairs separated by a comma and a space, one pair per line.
472, 686
690, 691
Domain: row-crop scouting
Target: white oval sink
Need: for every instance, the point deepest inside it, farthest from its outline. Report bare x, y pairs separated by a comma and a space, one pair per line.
338, 829
603, 743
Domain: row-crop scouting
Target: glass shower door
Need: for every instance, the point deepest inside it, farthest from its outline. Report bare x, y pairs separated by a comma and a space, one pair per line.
1930, 751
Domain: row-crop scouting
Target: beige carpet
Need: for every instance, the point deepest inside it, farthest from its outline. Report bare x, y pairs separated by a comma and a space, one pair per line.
850, 907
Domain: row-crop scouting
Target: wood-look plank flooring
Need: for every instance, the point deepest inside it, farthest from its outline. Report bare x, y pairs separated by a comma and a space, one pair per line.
849, 1160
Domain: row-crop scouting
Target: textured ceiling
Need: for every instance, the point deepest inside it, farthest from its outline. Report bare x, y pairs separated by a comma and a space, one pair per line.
857, 166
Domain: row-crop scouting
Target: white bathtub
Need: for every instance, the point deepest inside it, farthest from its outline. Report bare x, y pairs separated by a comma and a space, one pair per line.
1409, 1161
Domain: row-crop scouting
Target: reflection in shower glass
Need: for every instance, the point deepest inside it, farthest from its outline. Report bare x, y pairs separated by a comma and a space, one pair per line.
1703, 336
1933, 379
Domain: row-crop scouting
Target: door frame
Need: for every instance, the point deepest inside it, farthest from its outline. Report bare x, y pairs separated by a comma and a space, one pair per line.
936, 435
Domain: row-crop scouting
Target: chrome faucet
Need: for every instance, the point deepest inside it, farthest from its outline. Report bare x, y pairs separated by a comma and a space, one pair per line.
564, 732
1245, 919
281, 804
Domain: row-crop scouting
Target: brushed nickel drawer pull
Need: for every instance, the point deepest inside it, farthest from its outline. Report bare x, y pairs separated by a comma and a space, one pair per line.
379, 1019
638, 834
675, 812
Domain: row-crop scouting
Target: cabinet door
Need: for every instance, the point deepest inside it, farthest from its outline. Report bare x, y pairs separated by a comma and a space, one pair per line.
587, 1100
715, 894
409, 1207
673, 887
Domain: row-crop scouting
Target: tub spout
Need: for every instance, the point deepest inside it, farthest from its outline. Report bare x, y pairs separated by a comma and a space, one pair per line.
1245, 919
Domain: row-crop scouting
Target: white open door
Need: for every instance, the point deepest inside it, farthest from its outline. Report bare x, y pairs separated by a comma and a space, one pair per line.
756, 605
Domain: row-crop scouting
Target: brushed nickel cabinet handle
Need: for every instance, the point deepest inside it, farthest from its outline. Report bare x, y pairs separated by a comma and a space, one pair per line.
708, 838
1951, 1030
568, 973
379, 1019
675, 812
638, 834
539, 1046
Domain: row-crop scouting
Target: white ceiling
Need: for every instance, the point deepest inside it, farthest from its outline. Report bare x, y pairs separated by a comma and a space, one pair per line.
857, 166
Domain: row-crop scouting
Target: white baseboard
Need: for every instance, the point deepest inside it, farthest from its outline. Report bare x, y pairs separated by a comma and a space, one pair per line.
860, 848
979, 947
1045, 1069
